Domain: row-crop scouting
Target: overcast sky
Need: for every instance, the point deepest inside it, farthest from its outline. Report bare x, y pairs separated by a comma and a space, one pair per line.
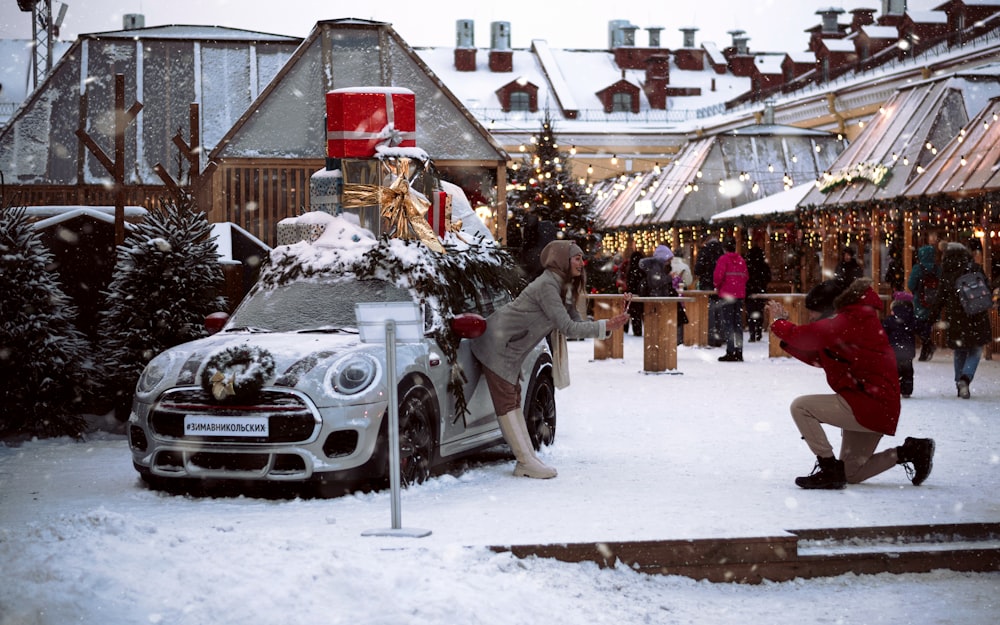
772, 25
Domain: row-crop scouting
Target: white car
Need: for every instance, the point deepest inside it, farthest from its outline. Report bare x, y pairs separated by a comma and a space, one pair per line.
287, 391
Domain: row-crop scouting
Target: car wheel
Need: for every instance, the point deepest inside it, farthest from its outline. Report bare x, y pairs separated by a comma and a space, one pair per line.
416, 439
540, 412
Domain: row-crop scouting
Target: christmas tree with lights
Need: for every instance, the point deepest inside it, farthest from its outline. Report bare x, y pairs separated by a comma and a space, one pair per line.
546, 203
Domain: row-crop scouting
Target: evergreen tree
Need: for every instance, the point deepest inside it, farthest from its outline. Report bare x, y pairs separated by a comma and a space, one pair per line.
166, 279
546, 202
43, 356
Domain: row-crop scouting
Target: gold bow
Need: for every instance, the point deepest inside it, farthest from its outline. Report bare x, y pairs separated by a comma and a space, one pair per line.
398, 206
221, 387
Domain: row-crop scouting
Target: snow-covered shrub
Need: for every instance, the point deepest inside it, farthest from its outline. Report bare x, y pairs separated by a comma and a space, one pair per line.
44, 358
166, 280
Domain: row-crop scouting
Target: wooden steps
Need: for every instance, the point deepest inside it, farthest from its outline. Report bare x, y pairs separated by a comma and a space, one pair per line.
796, 554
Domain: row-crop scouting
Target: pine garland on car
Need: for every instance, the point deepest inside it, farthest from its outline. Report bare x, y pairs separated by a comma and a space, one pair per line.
445, 283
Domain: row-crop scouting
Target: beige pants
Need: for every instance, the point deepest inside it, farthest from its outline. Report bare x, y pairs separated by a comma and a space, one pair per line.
857, 449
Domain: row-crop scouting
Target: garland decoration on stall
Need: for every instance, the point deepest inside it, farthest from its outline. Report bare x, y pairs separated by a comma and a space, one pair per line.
238, 372
875, 173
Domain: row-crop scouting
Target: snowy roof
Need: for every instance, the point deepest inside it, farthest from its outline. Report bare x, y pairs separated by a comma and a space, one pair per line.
928, 17
880, 32
839, 45
55, 214
769, 63
802, 56
779, 203
224, 233
576, 76
200, 32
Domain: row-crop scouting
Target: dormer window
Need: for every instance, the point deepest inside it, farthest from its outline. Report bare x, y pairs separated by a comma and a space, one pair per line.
518, 95
520, 101
621, 97
621, 103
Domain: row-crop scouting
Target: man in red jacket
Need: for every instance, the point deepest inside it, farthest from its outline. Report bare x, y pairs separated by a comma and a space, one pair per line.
860, 367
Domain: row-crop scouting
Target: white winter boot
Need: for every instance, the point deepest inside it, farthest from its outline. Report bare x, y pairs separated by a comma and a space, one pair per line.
515, 432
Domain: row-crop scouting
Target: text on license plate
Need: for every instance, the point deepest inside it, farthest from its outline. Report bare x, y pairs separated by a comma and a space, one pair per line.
225, 426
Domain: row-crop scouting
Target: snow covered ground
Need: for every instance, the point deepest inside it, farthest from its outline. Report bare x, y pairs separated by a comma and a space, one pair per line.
708, 453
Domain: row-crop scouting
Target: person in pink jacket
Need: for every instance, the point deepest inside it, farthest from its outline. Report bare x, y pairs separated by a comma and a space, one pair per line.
730, 279
853, 350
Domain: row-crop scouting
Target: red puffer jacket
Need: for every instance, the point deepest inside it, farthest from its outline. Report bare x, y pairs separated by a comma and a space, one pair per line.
855, 353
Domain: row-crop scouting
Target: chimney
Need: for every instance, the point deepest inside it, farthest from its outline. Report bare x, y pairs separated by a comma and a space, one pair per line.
740, 41
131, 21
862, 18
689, 32
894, 7
657, 80
768, 117
830, 25
501, 55
654, 36
629, 35
616, 34
465, 46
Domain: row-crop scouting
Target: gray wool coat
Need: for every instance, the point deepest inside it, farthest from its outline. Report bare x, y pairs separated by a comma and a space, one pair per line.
514, 329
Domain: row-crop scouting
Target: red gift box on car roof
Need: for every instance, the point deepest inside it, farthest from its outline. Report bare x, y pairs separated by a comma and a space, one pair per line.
358, 119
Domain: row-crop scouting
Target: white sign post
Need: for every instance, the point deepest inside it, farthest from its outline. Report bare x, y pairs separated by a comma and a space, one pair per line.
408, 318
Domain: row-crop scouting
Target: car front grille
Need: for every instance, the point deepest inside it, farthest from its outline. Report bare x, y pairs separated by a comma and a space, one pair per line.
289, 417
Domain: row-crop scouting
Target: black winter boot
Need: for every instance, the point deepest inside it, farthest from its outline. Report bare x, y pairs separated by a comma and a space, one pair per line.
926, 351
918, 452
827, 474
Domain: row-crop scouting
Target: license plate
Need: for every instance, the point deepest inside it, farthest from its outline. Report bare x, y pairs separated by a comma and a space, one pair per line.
251, 427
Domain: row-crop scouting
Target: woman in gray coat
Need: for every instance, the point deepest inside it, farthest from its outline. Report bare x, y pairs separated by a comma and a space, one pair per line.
547, 304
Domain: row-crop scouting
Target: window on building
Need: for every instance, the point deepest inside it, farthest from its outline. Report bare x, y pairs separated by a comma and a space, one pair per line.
621, 103
520, 101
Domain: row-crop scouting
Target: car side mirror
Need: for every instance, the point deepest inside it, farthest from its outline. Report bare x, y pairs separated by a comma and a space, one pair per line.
215, 321
468, 325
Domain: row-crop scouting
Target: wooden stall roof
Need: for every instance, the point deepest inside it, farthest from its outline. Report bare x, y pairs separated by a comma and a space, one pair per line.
287, 120
904, 136
714, 174
968, 165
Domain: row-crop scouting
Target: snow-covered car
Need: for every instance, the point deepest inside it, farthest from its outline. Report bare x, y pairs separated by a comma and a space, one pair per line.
287, 391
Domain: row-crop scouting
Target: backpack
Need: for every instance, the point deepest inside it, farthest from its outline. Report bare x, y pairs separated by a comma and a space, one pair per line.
659, 282
930, 284
973, 293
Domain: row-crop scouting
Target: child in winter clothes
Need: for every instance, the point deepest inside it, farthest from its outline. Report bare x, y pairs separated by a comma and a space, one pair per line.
900, 327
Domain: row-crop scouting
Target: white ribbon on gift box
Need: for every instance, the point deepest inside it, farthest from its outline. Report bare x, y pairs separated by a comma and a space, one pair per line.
389, 136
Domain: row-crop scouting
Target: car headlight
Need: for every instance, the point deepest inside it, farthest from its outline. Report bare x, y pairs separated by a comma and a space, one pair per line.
353, 374
154, 373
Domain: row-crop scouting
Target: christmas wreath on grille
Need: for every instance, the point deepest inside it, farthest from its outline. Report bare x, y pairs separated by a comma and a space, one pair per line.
237, 372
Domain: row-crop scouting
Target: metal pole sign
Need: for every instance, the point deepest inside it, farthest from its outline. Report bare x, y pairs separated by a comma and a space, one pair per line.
410, 320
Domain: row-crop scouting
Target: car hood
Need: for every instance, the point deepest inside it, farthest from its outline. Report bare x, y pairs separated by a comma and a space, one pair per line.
300, 360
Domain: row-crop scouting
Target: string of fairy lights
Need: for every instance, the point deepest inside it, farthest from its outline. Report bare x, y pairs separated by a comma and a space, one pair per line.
805, 226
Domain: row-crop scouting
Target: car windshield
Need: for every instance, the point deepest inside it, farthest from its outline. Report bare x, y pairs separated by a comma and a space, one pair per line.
311, 305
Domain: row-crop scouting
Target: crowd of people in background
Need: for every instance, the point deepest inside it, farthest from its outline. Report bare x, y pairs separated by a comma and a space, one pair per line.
866, 350
921, 302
